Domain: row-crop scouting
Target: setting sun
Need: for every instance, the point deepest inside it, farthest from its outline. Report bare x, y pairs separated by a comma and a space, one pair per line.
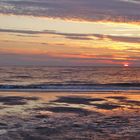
126, 65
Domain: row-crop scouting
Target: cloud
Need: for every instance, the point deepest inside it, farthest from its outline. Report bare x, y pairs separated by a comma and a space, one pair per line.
119, 38
131, 1
21, 31
75, 36
78, 38
125, 39
92, 10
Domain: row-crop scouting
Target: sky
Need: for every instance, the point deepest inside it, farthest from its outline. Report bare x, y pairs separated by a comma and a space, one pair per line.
70, 32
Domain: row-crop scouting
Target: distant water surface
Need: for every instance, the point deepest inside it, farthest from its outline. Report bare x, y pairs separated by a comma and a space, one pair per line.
69, 78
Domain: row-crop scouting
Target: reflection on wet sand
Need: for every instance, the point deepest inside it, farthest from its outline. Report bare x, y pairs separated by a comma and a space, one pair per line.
79, 111
69, 116
15, 100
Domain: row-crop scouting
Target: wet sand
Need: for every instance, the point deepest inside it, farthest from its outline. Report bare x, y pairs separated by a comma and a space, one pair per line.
70, 116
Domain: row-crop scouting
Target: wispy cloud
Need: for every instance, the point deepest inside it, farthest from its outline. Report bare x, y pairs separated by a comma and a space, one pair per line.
76, 36
131, 1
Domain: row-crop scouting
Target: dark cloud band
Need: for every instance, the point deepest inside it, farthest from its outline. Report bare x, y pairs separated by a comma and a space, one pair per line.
92, 10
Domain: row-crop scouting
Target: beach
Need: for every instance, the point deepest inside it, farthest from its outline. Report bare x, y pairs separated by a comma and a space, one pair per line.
69, 69
70, 115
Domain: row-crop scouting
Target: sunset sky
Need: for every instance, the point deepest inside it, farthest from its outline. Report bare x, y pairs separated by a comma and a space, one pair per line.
70, 32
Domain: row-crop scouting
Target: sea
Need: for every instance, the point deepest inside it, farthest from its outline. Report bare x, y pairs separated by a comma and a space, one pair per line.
77, 79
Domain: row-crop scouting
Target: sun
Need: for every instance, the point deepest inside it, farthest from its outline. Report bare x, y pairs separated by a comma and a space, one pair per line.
126, 65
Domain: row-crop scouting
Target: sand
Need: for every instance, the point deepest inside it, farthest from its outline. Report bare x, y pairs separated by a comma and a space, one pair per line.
70, 116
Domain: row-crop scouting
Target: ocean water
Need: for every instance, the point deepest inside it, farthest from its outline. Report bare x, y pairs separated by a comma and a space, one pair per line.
69, 78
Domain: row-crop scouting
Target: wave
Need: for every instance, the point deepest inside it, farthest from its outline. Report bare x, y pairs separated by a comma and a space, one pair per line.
74, 87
